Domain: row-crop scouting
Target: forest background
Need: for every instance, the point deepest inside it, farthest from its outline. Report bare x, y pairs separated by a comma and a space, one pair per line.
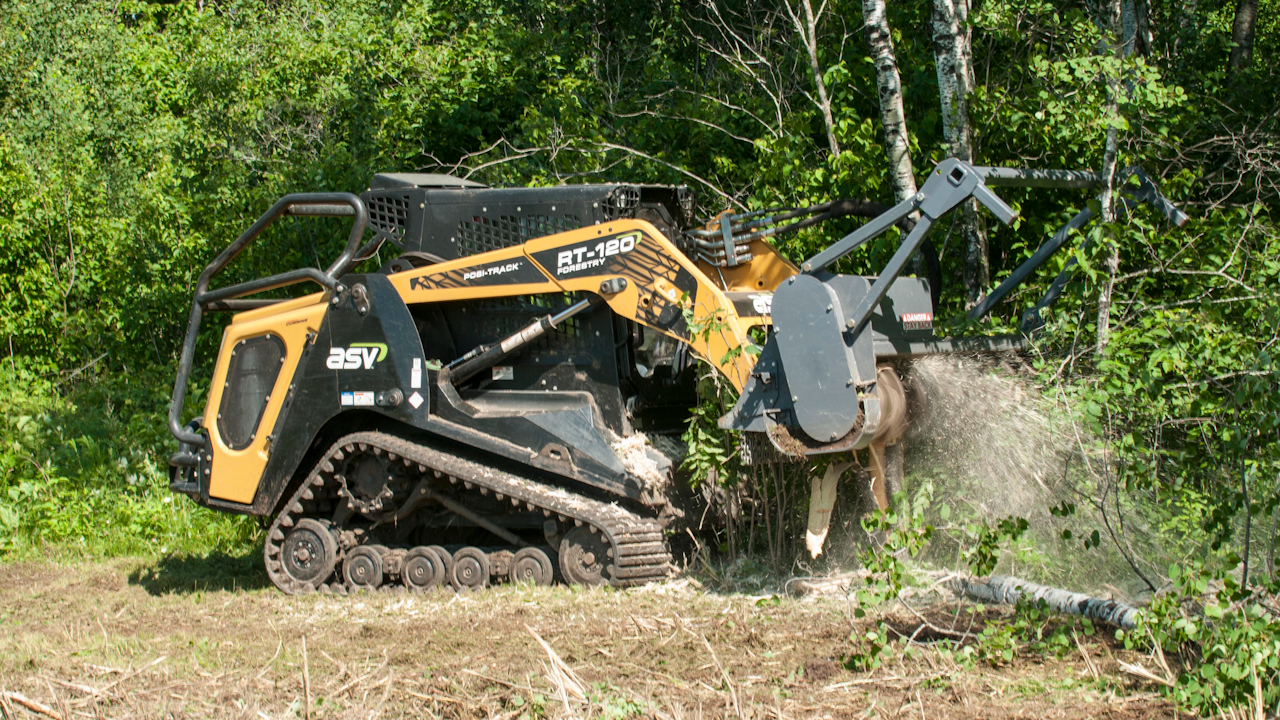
137, 139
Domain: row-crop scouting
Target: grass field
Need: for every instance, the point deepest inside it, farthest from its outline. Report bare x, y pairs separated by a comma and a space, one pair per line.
206, 637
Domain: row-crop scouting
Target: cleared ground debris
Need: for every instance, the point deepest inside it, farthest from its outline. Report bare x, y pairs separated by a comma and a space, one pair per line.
132, 638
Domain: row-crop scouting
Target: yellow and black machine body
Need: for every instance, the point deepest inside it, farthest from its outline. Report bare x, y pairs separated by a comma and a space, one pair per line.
504, 398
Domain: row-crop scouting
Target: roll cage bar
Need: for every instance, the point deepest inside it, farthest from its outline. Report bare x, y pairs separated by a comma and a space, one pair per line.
226, 298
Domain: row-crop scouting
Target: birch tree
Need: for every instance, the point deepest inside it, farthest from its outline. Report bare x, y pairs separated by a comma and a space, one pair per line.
955, 74
807, 30
897, 142
1120, 22
953, 61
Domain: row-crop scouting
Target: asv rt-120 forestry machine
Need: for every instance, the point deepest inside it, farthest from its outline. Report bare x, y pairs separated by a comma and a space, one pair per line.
491, 404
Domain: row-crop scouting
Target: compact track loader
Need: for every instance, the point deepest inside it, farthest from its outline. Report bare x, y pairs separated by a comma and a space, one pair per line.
496, 402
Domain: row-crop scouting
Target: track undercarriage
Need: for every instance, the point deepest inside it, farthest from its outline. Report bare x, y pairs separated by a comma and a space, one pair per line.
381, 512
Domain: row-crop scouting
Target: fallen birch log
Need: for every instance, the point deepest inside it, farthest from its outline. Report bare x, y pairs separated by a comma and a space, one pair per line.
999, 589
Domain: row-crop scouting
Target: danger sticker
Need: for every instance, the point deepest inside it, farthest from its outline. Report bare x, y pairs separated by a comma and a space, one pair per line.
358, 398
917, 321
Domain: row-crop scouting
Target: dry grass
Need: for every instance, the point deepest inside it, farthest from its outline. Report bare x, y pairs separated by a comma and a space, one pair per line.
130, 639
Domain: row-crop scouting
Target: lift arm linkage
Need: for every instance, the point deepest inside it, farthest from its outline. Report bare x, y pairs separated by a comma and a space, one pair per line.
950, 184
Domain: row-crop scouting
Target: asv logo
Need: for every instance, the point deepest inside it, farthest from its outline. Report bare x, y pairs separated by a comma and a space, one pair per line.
358, 356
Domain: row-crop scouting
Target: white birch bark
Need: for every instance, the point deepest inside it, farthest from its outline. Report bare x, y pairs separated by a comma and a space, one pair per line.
1111, 264
953, 63
1123, 24
897, 143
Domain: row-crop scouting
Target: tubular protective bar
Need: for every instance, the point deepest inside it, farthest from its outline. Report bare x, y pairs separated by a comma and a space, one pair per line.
1146, 191
951, 183
1028, 177
1031, 320
1025, 269
726, 241
298, 204
1083, 179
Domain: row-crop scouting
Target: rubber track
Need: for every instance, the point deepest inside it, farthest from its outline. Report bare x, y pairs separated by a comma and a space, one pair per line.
638, 551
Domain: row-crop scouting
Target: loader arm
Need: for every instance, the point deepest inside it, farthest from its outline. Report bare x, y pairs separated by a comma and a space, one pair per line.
632, 266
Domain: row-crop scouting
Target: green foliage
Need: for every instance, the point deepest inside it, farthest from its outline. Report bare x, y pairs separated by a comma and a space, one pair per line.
897, 538
982, 555
84, 472
1229, 642
708, 447
138, 138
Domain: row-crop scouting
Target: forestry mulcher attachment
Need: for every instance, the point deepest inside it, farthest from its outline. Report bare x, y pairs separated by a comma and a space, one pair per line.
496, 403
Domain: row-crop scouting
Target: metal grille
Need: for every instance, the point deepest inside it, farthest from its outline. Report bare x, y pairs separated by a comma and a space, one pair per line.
568, 330
622, 202
390, 214
251, 373
505, 316
482, 234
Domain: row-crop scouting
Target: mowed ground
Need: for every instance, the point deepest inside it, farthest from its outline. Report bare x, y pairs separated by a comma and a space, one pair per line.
145, 639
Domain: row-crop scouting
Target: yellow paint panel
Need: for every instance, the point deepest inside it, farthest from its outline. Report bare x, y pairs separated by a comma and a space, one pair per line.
278, 308
236, 473
651, 280
765, 271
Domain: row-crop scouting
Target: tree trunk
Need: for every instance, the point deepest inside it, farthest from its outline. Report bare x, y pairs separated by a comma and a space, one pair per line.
1145, 40
952, 60
1111, 264
1122, 22
1128, 28
951, 64
999, 589
808, 31
1242, 33
896, 140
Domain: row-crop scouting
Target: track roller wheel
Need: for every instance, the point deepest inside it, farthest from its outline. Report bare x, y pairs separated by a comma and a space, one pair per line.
470, 569
531, 565
583, 558
446, 561
309, 553
422, 570
363, 568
